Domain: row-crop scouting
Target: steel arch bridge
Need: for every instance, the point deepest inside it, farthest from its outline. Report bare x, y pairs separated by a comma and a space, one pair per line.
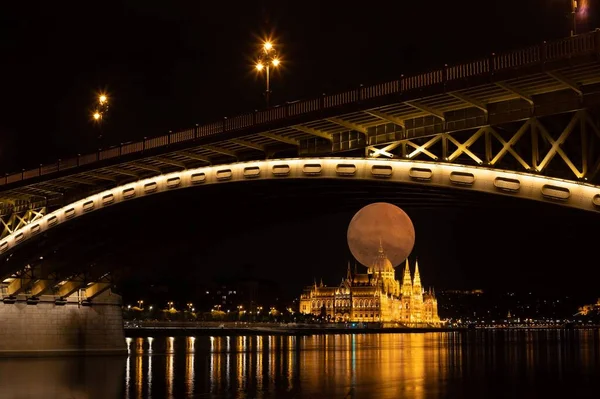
475, 178
525, 124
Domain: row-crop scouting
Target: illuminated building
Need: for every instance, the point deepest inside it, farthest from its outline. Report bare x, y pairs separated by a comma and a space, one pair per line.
375, 296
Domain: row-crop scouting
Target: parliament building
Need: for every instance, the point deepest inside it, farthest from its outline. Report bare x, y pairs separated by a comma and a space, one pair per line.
375, 296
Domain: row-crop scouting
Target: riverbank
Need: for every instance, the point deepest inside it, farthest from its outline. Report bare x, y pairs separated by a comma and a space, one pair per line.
239, 331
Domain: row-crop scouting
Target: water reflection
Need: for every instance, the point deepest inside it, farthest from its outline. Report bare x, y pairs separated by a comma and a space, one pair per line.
169, 365
433, 365
189, 366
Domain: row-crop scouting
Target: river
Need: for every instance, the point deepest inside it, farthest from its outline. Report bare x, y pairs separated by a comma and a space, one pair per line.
482, 364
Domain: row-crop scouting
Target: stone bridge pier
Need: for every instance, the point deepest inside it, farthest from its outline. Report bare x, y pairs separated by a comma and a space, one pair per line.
48, 326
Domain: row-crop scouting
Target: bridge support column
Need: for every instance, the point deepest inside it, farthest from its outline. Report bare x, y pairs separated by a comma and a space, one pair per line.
51, 326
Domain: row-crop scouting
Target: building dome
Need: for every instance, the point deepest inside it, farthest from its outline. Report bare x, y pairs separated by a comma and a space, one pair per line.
381, 262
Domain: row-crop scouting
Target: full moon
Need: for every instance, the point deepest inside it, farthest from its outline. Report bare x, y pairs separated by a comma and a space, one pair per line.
385, 222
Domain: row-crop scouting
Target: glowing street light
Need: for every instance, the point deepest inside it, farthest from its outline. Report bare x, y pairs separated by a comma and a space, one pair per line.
266, 59
100, 108
579, 9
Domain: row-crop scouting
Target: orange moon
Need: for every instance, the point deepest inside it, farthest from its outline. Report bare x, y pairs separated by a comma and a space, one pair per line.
381, 221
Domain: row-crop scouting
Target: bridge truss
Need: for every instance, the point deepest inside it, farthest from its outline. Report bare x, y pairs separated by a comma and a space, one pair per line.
534, 110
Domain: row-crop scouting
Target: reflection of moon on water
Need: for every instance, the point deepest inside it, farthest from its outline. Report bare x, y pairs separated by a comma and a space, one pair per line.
385, 222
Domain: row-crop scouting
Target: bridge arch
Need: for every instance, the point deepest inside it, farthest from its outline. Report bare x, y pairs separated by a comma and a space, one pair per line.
475, 178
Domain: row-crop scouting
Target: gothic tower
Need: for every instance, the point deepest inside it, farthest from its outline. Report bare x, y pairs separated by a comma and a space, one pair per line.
406, 291
417, 296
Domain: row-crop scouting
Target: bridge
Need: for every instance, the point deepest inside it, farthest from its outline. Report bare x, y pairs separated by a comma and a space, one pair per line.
523, 123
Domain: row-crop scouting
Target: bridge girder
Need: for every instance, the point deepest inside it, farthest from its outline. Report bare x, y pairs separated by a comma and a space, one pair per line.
313, 132
541, 149
550, 79
463, 172
282, 139
249, 144
17, 219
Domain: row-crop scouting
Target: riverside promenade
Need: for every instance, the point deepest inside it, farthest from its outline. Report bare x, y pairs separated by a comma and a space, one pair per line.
145, 329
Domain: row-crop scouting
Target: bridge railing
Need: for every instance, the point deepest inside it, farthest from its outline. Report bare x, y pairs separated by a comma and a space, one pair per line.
559, 49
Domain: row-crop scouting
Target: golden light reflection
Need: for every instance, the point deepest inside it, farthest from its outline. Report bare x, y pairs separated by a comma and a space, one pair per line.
259, 363
393, 365
240, 367
128, 371
139, 376
139, 345
272, 365
170, 345
227, 363
291, 357
169, 372
215, 363
190, 344
150, 372
190, 374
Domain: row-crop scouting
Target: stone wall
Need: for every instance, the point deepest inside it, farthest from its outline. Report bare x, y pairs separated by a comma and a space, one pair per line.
50, 329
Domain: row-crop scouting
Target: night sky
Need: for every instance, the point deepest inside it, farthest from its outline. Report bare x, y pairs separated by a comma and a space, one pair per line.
167, 67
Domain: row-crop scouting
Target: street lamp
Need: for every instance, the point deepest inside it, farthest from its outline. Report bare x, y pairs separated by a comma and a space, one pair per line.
579, 9
574, 15
267, 58
101, 107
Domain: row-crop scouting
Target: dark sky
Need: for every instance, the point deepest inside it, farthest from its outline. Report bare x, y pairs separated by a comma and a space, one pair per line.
169, 65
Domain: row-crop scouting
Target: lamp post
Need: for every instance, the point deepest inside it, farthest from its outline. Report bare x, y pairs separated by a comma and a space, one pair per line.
100, 111
100, 108
574, 15
267, 58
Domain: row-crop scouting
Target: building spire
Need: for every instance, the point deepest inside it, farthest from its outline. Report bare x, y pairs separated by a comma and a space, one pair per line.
417, 280
355, 269
322, 282
380, 246
349, 273
406, 289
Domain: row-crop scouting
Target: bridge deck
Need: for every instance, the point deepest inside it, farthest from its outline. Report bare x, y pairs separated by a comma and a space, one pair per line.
548, 79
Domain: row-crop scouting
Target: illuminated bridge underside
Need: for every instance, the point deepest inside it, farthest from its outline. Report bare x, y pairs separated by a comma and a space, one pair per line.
532, 110
476, 178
